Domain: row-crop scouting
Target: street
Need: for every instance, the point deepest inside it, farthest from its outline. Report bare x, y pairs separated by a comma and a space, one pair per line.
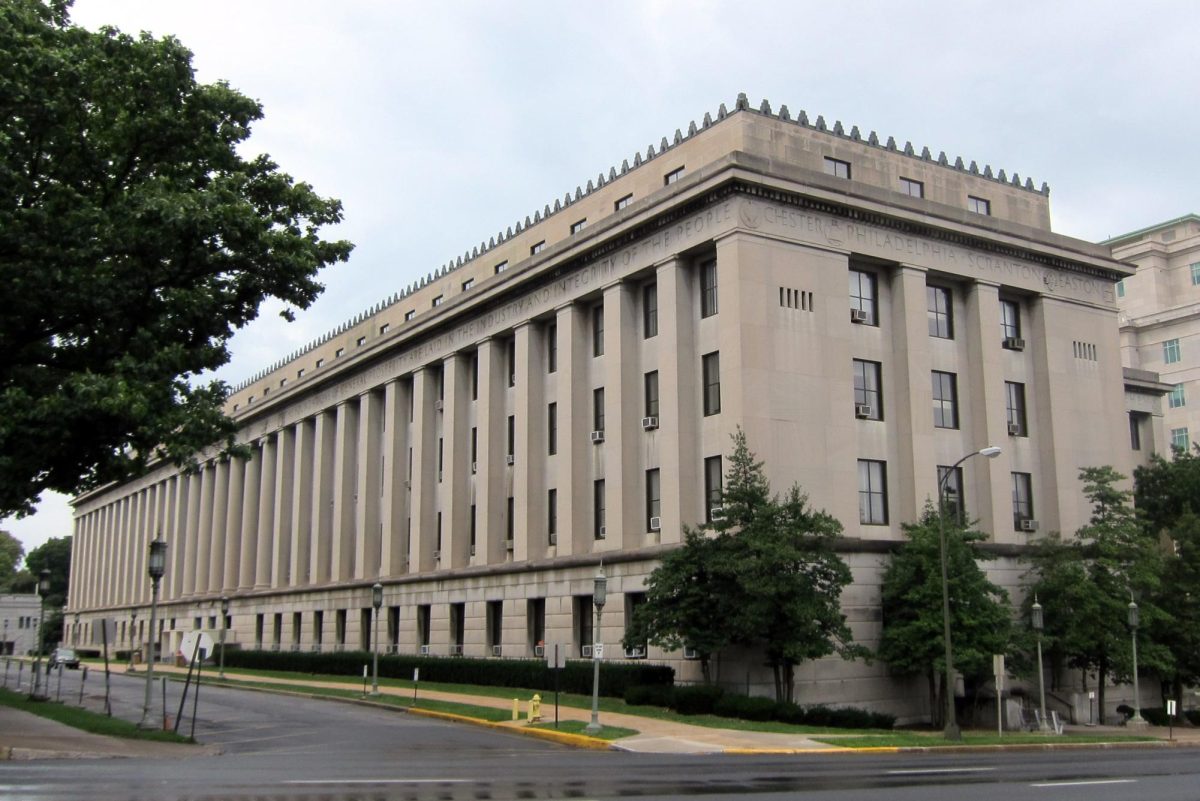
278, 747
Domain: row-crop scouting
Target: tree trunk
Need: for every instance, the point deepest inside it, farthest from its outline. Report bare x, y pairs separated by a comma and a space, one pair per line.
1101, 680
778, 681
704, 669
935, 704
789, 680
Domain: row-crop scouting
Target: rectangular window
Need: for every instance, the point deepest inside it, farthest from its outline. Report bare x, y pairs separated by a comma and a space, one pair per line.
708, 288
441, 453
837, 167
872, 492
1014, 399
576, 227
1121, 286
552, 514
510, 519
501, 267
712, 486
409, 315
912, 188
339, 353
360, 342
383, 329
863, 303
437, 301
1135, 432
1195, 270
470, 282
475, 375
1179, 440
649, 310
1022, 495
437, 545
941, 316
495, 624
867, 392
1171, 351
318, 627
653, 500
650, 381
512, 435
300, 373
584, 621
979, 205
474, 528
535, 622
623, 202
598, 530
711, 369
1176, 398
598, 409
1010, 319
424, 621
598, 329
552, 429
552, 348
537, 248
510, 358
297, 627
951, 484
672, 176
945, 400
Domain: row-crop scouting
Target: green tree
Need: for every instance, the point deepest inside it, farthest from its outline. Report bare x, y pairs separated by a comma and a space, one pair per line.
912, 642
1085, 585
134, 240
53, 555
763, 575
11, 552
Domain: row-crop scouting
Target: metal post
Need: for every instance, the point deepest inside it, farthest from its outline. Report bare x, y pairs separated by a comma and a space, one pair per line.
132, 635
224, 626
157, 565
599, 596
1137, 719
1036, 609
376, 601
43, 588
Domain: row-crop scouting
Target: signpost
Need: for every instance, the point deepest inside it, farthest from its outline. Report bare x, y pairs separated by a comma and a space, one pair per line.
998, 671
200, 645
102, 633
556, 660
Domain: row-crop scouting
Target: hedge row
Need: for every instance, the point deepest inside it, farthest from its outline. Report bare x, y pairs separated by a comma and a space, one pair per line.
708, 699
615, 678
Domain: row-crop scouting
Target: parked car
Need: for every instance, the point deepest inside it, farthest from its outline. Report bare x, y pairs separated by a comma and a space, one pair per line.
66, 657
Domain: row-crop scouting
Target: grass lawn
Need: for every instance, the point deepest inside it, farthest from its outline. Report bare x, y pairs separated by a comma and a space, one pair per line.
577, 726
911, 739
88, 721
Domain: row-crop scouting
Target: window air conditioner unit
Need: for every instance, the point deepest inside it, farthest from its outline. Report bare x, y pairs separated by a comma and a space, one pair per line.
690, 652
1028, 524
512, 379
508, 545
439, 404
424, 650
509, 459
656, 524
585, 651
496, 650
1014, 343
554, 539
862, 410
598, 436
603, 531
456, 649
649, 423
859, 317
1014, 429
437, 554
636, 652
472, 550
717, 513
539, 651
407, 484
474, 467
295, 646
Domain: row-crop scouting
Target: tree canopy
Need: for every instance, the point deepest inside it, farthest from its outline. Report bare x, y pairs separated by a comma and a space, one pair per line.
11, 552
134, 240
764, 574
53, 555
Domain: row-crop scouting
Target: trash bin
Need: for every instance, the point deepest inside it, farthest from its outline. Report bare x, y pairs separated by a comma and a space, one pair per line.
136, 657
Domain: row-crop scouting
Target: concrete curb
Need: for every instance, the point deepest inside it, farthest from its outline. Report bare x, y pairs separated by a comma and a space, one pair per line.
574, 740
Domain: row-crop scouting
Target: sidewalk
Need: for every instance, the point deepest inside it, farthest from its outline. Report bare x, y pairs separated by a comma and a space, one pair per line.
24, 735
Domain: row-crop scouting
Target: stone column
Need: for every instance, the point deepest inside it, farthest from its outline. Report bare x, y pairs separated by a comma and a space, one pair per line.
252, 500
982, 396
395, 506
199, 518
282, 574
177, 538
424, 472
680, 471
623, 447
264, 555
913, 478
529, 479
573, 471
324, 448
491, 476
456, 471
369, 473
303, 534
233, 525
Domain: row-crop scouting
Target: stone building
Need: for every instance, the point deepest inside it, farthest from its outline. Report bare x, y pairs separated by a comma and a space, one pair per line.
1160, 324
21, 616
564, 394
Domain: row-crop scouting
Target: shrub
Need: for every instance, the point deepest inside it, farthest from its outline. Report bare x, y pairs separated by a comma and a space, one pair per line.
698, 699
1193, 716
745, 707
766, 709
1156, 716
649, 695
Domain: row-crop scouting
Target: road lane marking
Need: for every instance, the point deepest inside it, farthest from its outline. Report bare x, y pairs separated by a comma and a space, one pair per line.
1084, 783
378, 781
920, 771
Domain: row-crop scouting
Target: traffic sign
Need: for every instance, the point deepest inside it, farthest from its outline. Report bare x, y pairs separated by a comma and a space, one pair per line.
187, 648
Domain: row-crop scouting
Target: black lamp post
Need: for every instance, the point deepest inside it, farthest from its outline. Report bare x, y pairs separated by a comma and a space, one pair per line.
376, 602
951, 731
1137, 719
43, 587
599, 597
132, 636
224, 627
156, 566
1036, 615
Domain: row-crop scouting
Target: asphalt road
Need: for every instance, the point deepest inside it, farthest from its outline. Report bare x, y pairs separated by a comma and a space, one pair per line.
299, 749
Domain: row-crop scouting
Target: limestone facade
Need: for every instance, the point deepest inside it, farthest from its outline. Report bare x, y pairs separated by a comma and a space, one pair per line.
482, 441
20, 616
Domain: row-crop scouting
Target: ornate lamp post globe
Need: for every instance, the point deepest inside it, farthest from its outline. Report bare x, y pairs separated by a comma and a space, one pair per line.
376, 602
156, 566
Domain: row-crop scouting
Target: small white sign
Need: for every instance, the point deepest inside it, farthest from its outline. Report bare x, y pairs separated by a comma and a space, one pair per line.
598, 651
556, 656
416, 675
1171, 707
187, 648
100, 627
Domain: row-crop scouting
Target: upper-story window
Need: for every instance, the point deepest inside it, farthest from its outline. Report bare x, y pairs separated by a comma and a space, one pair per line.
1171, 351
1121, 286
360, 341
1010, 319
623, 202
337, 354
863, 298
552, 348
320, 362
1180, 440
383, 329
576, 227
510, 357
437, 301
598, 329
979, 205
1176, 397
672, 176
945, 400
650, 310
501, 267
912, 188
300, 373
409, 315
941, 318
868, 392
1195, 270
711, 369
708, 288
837, 167
470, 282
537, 248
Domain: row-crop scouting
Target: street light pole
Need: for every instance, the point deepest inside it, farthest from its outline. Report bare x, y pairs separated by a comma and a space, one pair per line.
224, 627
599, 597
951, 730
132, 637
376, 601
156, 566
43, 589
1036, 610
1137, 719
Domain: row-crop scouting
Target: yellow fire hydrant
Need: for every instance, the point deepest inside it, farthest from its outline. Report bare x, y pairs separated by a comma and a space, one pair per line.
516, 709
535, 708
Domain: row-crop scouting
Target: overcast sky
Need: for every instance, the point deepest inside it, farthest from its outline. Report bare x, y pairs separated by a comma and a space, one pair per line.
440, 124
